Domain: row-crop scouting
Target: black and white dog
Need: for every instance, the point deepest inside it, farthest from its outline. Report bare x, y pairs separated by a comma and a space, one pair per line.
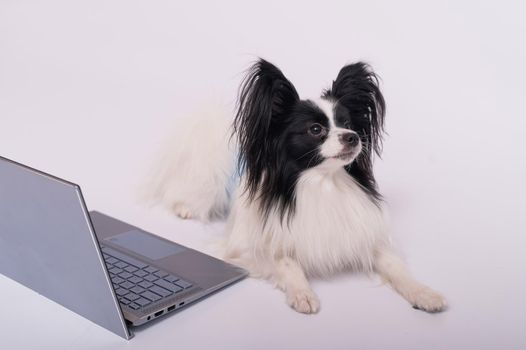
306, 202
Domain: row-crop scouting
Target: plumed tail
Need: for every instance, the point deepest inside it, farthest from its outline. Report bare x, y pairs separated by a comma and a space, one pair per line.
195, 172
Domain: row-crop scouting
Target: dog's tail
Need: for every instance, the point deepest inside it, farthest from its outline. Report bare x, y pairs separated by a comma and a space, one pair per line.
195, 172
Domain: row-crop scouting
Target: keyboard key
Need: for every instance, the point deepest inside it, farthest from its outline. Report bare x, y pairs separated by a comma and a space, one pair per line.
151, 278
120, 264
117, 280
161, 291
183, 284
151, 269
127, 285
131, 296
161, 274
134, 306
171, 278
137, 290
125, 275
124, 301
130, 268
135, 279
143, 301
150, 296
140, 273
167, 285
105, 256
111, 260
116, 286
121, 292
130, 260
115, 270
145, 284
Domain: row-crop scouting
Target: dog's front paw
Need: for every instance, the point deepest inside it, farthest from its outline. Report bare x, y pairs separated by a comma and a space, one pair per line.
304, 301
182, 211
426, 299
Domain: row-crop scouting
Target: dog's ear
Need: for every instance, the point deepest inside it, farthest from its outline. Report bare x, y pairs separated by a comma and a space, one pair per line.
356, 88
265, 97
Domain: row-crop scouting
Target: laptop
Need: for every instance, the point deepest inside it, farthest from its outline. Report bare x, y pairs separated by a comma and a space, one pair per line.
110, 272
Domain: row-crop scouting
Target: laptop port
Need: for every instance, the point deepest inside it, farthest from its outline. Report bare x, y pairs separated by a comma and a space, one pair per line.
158, 313
181, 304
170, 308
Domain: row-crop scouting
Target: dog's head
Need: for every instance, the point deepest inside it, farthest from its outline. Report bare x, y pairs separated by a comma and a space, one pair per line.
281, 135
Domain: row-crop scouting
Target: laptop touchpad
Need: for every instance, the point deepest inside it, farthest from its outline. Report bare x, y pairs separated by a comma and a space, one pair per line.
146, 245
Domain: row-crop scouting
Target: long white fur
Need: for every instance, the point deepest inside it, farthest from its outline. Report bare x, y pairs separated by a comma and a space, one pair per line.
194, 170
335, 227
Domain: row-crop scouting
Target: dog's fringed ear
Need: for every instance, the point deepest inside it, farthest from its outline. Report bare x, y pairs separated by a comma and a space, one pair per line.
356, 87
265, 97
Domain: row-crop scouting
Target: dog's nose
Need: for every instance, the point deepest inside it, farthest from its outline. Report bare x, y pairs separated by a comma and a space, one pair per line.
350, 138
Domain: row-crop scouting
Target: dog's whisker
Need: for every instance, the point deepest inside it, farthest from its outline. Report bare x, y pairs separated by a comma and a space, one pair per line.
306, 153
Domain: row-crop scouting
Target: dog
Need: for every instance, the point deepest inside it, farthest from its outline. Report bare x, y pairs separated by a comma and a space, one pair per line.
305, 203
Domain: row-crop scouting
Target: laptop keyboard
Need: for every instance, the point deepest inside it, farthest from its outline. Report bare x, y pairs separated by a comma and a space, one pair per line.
137, 284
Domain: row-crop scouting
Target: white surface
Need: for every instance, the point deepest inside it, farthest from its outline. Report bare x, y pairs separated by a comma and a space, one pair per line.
88, 91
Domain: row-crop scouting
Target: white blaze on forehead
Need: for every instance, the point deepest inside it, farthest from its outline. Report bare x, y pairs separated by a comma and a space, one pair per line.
327, 108
332, 145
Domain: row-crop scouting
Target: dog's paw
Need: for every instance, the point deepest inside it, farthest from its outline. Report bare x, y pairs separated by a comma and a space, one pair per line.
426, 299
181, 211
304, 301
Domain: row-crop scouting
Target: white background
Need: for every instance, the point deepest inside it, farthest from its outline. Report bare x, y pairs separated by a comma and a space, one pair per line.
89, 90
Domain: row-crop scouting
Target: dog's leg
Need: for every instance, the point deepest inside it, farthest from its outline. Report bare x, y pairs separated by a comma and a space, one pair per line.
291, 279
181, 211
393, 270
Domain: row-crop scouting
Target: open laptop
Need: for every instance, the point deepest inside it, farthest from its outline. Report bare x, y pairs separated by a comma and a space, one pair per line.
108, 271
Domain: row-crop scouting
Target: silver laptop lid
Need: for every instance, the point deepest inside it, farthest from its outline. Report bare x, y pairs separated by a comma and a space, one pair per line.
47, 243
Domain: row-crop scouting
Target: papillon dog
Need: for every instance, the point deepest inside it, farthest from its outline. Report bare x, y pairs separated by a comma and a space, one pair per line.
305, 202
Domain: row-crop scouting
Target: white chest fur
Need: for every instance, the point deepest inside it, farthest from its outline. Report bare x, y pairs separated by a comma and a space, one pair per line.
335, 226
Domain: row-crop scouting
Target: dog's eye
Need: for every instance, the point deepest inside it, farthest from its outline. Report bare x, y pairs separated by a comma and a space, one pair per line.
316, 129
